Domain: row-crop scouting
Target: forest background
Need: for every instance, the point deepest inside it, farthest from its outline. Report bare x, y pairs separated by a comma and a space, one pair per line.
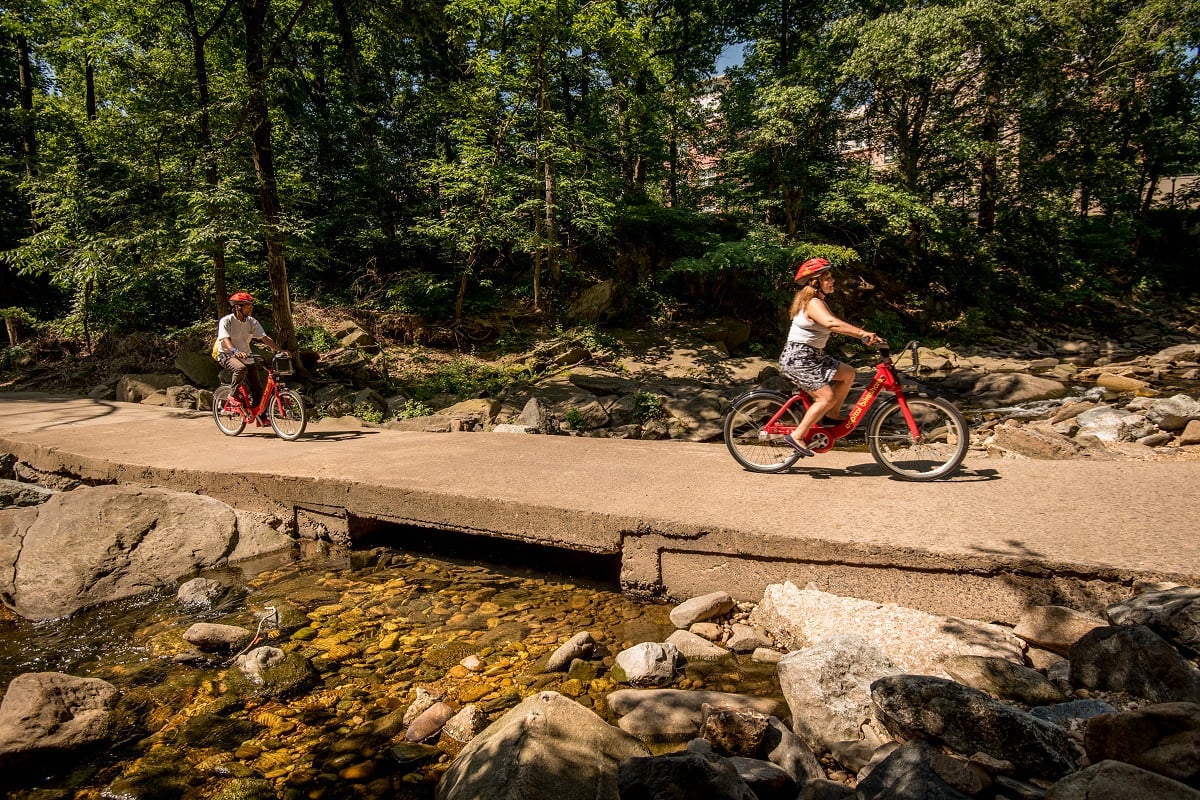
969, 164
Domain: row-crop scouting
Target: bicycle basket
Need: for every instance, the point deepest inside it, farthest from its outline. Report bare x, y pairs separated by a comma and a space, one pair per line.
283, 365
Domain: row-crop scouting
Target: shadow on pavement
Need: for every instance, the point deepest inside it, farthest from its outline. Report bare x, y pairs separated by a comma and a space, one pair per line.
872, 470
336, 436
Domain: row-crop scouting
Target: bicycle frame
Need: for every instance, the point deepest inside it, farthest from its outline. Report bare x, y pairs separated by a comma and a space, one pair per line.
821, 438
270, 393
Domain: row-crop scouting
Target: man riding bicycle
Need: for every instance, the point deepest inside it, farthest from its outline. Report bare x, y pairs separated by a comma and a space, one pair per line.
235, 332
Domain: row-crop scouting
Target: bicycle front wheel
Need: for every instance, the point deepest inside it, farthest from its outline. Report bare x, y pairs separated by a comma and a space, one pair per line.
226, 413
288, 419
748, 442
936, 452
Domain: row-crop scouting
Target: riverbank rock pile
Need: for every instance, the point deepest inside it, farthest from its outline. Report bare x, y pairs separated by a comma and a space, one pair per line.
97, 544
1061, 395
1051, 408
884, 702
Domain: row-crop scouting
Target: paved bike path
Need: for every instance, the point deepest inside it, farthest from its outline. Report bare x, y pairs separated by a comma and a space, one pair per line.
684, 516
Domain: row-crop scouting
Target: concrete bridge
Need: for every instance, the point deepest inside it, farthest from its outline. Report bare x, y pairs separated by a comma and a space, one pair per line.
681, 518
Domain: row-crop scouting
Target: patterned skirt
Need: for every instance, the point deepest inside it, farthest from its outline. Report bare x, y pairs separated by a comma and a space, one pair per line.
807, 366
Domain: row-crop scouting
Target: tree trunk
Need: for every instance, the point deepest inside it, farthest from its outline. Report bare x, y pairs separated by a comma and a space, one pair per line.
1151, 177
989, 173
211, 175
254, 13
29, 142
673, 163
10, 326
545, 135
785, 13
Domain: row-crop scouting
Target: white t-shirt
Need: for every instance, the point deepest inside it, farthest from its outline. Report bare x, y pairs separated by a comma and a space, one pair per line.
239, 331
806, 331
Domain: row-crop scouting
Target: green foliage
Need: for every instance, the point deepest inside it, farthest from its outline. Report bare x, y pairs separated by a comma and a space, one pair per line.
421, 293
589, 337
575, 419
753, 272
464, 377
413, 408
647, 406
659, 306
887, 324
369, 414
19, 321
512, 340
316, 339
16, 355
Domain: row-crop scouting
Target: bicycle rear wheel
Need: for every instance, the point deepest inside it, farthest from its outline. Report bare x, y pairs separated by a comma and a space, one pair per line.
937, 452
226, 411
288, 419
748, 443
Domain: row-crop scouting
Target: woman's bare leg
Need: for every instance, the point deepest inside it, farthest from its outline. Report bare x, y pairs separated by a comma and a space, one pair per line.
822, 400
842, 381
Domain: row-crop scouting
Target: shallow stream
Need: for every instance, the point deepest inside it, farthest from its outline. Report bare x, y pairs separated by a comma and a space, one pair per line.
376, 624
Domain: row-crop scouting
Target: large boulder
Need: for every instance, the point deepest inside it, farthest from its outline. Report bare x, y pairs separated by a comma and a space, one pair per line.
679, 776
137, 388
593, 302
1055, 628
1004, 680
548, 746
98, 544
200, 368
968, 721
1173, 413
16, 494
910, 771
828, 689
1035, 441
1109, 424
1136, 660
990, 390
1173, 614
1163, 738
650, 663
915, 641
47, 714
1113, 780
702, 608
675, 715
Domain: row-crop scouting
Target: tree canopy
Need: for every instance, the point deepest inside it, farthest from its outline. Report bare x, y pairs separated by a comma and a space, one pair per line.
445, 158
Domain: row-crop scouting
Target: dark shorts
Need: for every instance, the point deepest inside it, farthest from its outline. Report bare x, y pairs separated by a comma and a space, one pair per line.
806, 366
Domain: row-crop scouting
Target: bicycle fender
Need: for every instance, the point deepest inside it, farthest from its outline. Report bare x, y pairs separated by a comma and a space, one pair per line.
760, 393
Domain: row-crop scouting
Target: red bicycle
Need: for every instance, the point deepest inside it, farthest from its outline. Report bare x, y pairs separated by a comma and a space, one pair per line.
282, 407
917, 438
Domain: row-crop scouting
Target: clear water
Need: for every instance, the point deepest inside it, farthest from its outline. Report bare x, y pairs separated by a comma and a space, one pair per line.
377, 625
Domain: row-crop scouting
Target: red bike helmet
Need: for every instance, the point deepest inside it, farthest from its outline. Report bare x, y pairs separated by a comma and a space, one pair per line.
812, 267
241, 297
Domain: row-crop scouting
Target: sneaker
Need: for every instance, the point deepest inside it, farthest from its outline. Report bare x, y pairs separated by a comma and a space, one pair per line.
800, 449
830, 422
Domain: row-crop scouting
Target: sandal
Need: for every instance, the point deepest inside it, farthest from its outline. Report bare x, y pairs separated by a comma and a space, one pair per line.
800, 449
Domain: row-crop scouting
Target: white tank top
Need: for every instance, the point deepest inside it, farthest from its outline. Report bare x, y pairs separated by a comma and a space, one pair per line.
806, 331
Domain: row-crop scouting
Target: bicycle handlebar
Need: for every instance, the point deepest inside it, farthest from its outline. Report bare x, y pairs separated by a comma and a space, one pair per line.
885, 351
260, 359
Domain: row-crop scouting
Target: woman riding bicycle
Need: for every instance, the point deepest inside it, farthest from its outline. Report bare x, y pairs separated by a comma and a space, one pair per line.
235, 332
804, 361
